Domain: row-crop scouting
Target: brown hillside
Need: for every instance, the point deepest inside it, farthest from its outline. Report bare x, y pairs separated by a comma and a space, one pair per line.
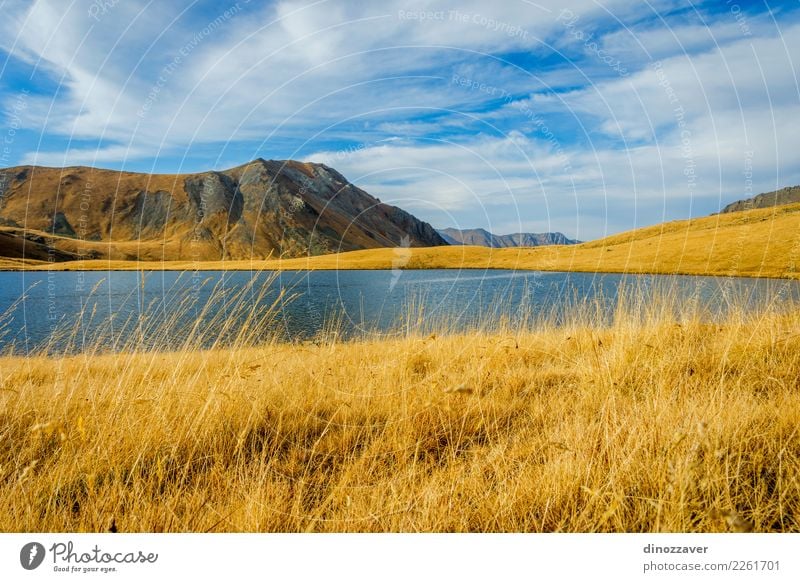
260, 209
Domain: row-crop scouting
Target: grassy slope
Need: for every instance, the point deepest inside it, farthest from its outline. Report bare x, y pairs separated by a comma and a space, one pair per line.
644, 426
762, 242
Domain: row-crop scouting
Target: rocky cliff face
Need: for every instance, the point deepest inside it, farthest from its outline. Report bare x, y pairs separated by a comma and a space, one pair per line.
261, 209
484, 238
788, 195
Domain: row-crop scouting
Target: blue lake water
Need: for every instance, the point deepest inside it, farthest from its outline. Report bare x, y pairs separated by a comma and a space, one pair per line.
75, 311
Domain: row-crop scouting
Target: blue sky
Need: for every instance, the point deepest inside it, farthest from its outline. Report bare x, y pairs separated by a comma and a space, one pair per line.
577, 116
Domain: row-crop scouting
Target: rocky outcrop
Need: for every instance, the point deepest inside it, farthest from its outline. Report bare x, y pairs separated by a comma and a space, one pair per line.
788, 195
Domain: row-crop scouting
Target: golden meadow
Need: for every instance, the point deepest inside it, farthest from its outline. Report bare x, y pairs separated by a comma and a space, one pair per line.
657, 416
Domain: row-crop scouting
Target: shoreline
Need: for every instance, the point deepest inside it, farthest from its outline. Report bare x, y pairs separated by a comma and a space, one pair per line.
294, 265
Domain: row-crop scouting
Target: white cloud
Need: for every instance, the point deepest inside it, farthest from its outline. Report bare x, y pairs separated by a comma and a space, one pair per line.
256, 69
80, 157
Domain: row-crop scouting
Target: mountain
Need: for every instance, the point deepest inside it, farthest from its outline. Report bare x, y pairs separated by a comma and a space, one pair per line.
788, 195
263, 208
484, 238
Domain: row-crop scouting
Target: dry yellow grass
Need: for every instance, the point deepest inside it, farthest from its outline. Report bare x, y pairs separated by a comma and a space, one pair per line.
755, 243
651, 423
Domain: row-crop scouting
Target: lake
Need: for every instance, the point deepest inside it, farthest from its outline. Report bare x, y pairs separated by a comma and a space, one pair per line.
107, 311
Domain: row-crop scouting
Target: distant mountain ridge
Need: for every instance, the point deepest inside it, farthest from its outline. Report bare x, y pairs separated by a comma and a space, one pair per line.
788, 195
483, 238
260, 209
